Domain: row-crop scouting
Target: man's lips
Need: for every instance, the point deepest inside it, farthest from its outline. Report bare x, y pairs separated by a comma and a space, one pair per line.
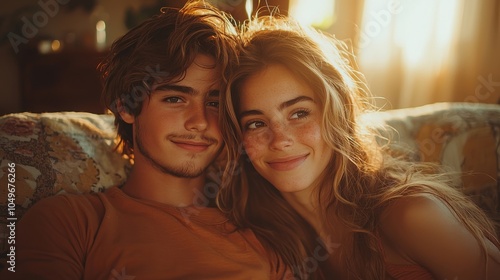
287, 163
192, 146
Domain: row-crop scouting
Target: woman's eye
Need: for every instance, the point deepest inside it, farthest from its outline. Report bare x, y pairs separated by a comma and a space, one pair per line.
300, 114
172, 99
254, 125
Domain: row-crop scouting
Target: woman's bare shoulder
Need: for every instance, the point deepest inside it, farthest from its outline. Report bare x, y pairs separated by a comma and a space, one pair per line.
426, 230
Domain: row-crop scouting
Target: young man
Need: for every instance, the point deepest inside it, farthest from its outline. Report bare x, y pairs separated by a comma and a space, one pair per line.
162, 81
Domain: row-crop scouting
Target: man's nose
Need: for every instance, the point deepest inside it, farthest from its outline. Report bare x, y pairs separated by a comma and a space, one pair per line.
197, 118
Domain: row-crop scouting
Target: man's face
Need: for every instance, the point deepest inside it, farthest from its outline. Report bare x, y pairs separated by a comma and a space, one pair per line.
177, 131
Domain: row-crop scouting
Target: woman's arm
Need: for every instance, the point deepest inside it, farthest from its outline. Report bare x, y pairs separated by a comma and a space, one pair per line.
425, 230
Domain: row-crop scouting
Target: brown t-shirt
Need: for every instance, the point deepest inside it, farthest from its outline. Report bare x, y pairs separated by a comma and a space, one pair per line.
408, 272
113, 236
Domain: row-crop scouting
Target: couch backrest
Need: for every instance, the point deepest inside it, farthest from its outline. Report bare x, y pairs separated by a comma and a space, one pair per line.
74, 152
465, 137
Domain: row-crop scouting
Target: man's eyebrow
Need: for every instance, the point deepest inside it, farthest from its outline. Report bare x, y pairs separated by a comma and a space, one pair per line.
178, 88
281, 107
184, 89
213, 93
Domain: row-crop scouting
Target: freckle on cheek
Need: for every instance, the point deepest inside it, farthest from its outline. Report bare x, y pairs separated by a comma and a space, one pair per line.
246, 144
311, 132
249, 147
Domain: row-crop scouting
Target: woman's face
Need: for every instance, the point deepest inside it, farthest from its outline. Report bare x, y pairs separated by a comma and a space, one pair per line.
280, 117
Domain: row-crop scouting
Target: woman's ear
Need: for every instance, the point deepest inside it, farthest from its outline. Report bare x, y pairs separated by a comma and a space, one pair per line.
124, 114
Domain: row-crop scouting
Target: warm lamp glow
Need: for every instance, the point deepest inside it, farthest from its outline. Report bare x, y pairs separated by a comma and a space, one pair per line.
100, 33
100, 25
249, 8
56, 45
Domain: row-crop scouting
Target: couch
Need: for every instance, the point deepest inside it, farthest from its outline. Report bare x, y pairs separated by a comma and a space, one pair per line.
73, 152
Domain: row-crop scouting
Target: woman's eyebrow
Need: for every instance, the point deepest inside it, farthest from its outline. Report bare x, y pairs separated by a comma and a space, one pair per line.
249, 113
294, 101
281, 107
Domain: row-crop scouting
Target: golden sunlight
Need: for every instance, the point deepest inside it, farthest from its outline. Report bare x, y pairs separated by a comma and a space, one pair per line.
430, 22
317, 13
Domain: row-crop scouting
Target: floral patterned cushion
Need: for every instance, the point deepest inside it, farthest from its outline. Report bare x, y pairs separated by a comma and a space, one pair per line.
51, 153
465, 137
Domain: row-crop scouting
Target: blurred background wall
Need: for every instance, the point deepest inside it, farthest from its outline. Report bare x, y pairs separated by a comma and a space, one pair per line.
411, 52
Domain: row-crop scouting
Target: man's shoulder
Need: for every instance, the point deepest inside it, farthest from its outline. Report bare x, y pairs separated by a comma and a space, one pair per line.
68, 206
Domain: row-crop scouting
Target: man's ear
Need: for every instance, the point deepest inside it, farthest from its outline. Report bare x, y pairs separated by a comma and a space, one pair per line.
124, 114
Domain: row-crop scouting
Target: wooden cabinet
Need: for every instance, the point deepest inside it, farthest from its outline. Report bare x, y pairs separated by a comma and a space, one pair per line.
61, 81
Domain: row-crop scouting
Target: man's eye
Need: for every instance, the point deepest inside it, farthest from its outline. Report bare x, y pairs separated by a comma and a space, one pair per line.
172, 99
213, 104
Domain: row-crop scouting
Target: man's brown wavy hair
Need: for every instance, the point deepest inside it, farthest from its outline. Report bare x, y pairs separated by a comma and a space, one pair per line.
159, 50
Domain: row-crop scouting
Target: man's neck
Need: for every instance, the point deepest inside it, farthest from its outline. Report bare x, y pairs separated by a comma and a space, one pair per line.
153, 185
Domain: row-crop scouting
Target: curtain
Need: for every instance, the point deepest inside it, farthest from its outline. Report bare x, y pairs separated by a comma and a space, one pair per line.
419, 52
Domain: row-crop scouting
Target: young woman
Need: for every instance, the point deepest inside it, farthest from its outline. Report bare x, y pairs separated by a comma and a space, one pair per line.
306, 175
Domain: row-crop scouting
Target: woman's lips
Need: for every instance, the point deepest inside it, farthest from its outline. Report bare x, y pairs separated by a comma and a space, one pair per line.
288, 163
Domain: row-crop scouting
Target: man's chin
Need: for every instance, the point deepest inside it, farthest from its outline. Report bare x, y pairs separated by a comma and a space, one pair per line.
186, 170
181, 172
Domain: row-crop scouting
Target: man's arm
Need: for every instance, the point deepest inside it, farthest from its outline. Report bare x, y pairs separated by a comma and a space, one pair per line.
52, 239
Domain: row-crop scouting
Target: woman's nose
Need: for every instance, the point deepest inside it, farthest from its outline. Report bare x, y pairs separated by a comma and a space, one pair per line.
280, 137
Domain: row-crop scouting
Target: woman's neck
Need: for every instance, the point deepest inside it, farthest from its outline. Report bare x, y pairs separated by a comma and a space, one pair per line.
307, 206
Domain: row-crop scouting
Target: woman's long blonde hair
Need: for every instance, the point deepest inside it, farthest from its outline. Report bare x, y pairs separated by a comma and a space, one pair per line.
360, 181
